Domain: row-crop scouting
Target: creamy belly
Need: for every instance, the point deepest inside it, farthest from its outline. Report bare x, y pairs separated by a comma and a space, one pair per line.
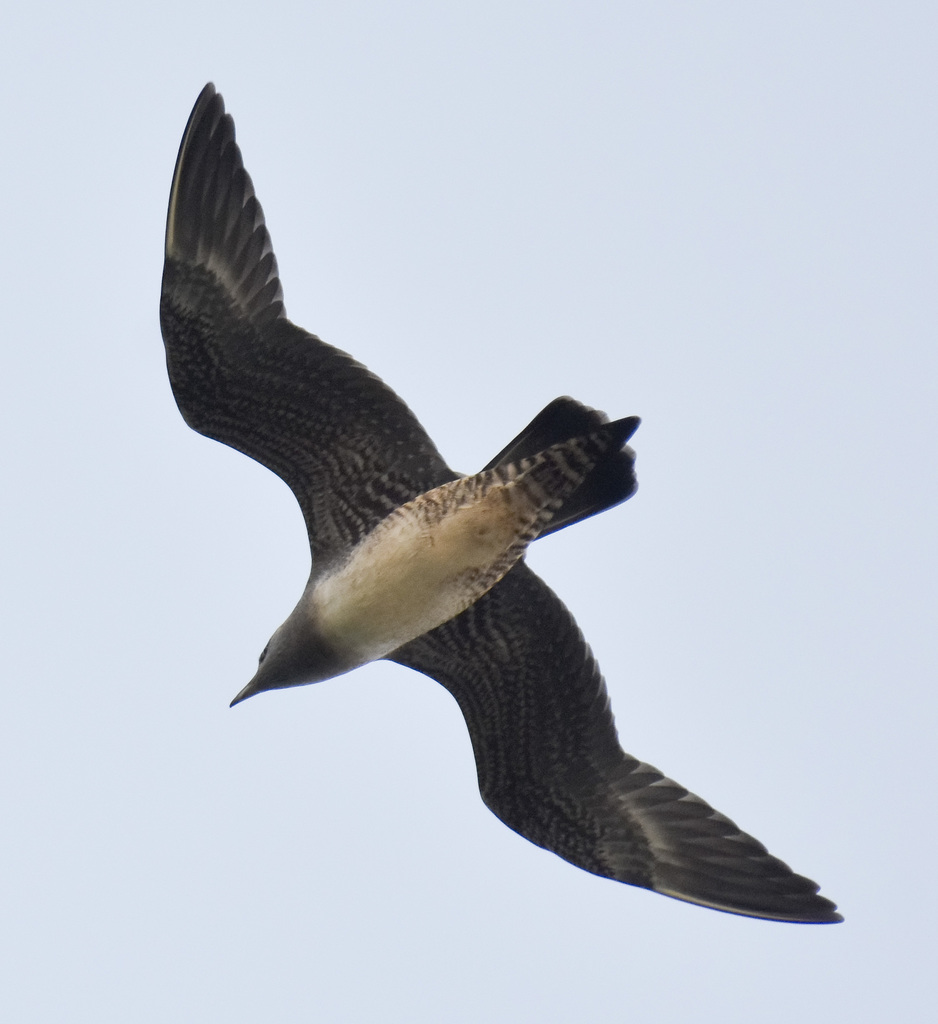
428, 561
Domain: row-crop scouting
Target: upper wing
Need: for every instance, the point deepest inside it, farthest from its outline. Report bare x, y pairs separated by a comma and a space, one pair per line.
550, 765
347, 446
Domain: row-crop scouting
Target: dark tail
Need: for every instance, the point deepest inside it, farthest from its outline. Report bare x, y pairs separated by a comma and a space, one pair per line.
612, 479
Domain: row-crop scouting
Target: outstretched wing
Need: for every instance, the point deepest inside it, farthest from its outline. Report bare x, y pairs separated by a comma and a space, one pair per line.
550, 765
243, 374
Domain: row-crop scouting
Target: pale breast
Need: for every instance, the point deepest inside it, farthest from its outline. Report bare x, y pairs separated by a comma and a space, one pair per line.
421, 566
432, 558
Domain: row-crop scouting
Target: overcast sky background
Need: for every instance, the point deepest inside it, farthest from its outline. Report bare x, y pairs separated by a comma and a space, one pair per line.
718, 216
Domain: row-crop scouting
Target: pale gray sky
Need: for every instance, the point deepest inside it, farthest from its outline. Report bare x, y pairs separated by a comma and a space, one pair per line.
718, 216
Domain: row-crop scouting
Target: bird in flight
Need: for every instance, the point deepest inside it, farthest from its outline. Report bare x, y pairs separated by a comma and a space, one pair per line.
424, 566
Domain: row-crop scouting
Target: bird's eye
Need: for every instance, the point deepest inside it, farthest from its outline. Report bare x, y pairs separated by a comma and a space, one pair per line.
263, 655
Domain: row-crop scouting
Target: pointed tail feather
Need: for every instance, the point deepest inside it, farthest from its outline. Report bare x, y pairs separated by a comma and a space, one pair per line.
610, 482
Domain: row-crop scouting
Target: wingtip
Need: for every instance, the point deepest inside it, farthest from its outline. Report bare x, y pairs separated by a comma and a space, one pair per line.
817, 910
214, 221
206, 96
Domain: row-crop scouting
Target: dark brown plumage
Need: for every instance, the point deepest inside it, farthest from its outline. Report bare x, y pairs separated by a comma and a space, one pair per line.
548, 758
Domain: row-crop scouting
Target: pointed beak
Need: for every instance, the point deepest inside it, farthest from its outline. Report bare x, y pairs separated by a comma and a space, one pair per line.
248, 691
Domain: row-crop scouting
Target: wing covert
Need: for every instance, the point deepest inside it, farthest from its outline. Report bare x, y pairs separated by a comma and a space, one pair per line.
243, 374
550, 765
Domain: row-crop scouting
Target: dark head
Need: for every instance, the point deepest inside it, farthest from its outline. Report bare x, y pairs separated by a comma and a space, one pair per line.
295, 655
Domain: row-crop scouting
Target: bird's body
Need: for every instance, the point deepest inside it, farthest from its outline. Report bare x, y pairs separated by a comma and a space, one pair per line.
421, 565
427, 561
432, 558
